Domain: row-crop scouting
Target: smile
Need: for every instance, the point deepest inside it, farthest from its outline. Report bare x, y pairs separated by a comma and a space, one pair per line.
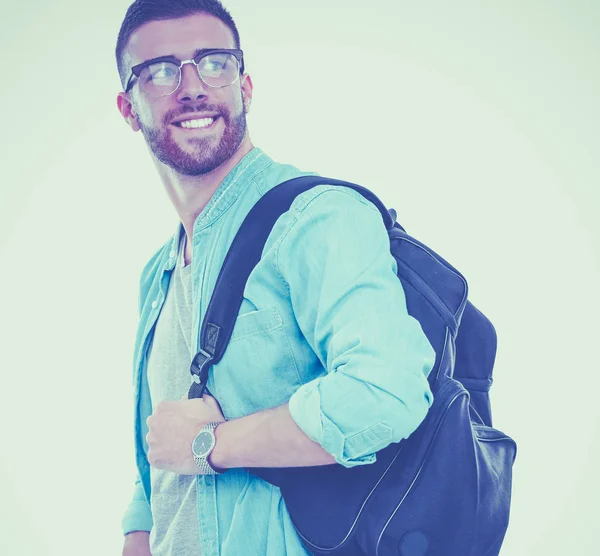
196, 124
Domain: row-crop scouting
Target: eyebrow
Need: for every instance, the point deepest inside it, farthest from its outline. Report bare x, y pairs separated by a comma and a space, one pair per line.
199, 51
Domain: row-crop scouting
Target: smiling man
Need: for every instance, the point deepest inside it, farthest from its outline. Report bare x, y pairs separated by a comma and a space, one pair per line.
324, 365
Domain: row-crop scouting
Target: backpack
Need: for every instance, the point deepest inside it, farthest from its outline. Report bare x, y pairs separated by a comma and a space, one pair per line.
443, 491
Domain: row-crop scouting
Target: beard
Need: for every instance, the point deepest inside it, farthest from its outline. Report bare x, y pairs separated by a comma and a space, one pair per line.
208, 153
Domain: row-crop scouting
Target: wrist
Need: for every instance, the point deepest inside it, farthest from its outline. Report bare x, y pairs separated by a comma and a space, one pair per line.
217, 458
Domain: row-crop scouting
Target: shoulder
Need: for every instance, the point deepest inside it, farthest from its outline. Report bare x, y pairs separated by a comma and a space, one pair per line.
334, 200
329, 226
274, 173
331, 210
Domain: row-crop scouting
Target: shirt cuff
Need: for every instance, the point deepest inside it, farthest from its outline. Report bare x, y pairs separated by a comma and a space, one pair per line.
305, 409
137, 517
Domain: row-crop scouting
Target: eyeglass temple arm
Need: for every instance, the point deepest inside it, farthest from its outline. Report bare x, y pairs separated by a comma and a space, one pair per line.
128, 84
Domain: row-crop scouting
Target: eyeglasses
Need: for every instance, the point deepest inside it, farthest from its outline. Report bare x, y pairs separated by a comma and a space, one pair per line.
159, 77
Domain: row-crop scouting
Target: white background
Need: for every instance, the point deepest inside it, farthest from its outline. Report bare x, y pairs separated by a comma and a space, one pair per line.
477, 121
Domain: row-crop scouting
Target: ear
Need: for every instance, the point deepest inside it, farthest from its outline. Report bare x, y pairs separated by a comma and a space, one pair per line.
247, 89
126, 108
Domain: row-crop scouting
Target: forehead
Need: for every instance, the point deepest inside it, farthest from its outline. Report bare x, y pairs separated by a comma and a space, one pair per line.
178, 37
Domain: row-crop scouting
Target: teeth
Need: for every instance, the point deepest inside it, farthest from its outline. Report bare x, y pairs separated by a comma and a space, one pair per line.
204, 122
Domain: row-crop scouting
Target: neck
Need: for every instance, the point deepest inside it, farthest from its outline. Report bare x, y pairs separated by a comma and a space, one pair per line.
190, 194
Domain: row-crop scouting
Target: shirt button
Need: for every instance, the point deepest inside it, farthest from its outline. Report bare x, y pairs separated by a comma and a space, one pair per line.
154, 304
172, 254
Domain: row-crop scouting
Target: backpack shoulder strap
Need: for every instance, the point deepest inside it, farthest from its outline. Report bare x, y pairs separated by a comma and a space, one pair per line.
243, 255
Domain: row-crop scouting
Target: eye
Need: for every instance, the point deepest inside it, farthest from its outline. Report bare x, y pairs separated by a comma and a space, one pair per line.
164, 71
215, 63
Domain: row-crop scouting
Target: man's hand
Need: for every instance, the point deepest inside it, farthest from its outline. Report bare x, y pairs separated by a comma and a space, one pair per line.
172, 428
137, 543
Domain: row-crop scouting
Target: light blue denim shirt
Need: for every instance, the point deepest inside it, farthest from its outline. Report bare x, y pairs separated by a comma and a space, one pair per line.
323, 325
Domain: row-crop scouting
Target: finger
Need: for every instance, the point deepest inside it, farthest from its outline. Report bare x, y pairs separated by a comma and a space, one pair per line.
212, 403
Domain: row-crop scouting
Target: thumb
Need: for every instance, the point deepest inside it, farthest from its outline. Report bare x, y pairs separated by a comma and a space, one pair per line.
212, 402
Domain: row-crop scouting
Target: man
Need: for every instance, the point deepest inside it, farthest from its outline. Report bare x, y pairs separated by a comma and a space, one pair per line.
324, 364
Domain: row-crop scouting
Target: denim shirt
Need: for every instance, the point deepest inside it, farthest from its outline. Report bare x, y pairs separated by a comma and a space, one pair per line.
323, 325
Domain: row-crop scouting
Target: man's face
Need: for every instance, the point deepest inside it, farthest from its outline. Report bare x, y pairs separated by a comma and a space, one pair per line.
190, 151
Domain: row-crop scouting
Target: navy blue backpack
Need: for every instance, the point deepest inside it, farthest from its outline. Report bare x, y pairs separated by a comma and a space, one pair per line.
445, 490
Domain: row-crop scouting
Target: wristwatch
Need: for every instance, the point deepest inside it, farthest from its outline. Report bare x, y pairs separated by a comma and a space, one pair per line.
202, 446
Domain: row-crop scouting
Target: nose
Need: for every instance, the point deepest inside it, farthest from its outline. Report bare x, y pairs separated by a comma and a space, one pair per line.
191, 87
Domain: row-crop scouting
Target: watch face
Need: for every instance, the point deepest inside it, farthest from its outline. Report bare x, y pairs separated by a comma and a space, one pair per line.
203, 444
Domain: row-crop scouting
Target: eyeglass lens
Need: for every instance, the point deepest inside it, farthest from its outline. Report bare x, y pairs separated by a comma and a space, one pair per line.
163, 78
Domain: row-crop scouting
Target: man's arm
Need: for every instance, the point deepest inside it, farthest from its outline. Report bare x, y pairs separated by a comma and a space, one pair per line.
351, 308
269, 438
137, 523
137, 543
138, 516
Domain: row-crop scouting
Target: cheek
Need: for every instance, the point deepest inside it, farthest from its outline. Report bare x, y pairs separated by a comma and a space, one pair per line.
149, 116
235, 102
238, 106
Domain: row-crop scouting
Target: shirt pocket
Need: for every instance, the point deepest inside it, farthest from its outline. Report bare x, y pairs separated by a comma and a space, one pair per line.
258, 370
254, 323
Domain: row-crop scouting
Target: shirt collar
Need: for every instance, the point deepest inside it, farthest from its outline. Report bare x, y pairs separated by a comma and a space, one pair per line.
225, 195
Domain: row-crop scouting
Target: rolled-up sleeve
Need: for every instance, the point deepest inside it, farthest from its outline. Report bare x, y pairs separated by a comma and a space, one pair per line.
138, 516
335, 258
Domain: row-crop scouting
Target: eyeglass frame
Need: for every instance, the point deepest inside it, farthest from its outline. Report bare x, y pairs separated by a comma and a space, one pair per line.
203, 52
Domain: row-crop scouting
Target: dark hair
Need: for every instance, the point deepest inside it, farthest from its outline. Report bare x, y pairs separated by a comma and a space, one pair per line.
144, 11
